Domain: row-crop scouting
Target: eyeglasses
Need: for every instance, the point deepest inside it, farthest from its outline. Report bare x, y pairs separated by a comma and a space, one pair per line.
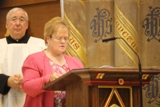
61, 38
21, 20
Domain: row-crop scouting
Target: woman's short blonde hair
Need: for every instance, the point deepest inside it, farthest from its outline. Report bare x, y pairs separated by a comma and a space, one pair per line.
52, 26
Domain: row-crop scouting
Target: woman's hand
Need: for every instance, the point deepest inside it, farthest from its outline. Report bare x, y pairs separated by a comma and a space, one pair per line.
54, 76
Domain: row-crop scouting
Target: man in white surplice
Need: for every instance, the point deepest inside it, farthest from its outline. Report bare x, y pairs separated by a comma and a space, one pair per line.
13, 51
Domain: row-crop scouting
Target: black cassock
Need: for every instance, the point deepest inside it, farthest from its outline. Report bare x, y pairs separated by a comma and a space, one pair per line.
4, 89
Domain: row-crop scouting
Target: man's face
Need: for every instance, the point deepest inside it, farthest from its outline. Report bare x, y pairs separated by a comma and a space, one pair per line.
17, 24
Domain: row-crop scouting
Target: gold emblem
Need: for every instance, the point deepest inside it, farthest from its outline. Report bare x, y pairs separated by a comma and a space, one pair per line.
114, 105
99, 75
145, 76
116, 93
121, 81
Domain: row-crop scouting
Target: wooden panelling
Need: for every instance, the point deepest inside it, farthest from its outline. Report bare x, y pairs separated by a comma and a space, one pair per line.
39, 13
14, 3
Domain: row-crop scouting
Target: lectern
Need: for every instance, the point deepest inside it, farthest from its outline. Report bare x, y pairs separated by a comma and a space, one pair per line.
102, 87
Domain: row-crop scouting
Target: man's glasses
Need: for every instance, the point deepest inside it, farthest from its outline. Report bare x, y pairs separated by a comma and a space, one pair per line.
21, 20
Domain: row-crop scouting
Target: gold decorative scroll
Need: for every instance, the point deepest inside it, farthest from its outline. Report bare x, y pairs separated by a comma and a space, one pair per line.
125, 30
77, 45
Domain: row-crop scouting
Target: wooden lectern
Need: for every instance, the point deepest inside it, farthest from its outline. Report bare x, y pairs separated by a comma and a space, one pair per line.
102, 87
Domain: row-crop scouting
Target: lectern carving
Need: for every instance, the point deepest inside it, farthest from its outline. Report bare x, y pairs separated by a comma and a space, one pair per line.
102, 87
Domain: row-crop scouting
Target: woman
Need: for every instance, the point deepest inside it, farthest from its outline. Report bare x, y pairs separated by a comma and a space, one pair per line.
48, 65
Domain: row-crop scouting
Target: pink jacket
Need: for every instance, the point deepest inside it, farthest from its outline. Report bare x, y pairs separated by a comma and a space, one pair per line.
36, 71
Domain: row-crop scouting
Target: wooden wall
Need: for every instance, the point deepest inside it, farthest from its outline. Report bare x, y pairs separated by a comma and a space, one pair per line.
39, 12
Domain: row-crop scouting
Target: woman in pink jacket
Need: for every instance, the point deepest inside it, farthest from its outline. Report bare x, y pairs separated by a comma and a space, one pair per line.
47, 65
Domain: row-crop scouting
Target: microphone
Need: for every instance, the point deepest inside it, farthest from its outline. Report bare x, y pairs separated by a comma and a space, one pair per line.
139, 64
109, 39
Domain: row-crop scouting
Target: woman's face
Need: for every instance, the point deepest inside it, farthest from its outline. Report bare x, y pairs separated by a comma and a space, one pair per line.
58, 43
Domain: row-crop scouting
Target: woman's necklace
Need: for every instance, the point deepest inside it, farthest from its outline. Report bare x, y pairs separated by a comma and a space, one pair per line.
59, 59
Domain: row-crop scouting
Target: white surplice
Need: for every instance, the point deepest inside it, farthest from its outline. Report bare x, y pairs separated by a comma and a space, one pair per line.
12, 57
